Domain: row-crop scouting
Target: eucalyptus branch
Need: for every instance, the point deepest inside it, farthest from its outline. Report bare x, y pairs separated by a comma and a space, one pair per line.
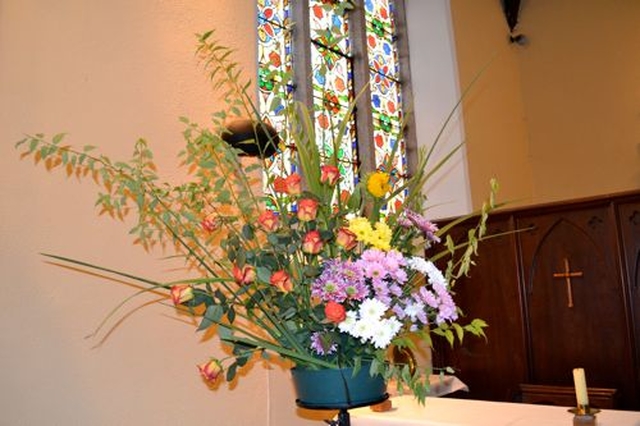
217, 61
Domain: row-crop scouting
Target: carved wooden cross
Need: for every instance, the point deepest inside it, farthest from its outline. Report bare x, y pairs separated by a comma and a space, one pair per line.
567, 275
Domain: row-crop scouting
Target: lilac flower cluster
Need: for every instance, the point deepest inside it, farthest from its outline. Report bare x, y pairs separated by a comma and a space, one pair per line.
411, 219
438, 299
340, 281
384, 270
374, 286
378, 271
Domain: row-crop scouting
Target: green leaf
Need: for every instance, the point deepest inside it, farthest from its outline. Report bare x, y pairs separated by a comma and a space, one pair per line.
224, 196
208, 164
225, 333
247, 232
231, 372
231, 314
57, 138
242, 361
459, 331
264, 274
212, 316
289, 313
220, 296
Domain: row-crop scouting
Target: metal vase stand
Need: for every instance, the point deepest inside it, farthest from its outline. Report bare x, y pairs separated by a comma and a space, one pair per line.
343, 419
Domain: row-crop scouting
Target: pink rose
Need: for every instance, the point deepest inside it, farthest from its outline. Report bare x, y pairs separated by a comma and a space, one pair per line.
346, 239
329, 174
335, 312
307, 209
312, 242
281, 280
244, 275
210, 371
268, 221
181, 293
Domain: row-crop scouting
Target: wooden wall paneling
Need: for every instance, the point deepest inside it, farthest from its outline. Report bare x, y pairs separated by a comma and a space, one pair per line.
566, 396
579, 321
493, 368
628, 212
539, 328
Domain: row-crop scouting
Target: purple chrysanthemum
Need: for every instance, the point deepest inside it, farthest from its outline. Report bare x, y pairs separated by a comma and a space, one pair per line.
447, 310
323, 343
378, 265
339, 281
411, 218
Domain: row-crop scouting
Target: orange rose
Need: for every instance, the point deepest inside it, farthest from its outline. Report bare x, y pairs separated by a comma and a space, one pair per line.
329, 174
312, 242
268, 221
210, 371
291, 185
181, 293
294, 184
281, 280
307, 209
209, 223
335, 312
280, 185
244, 275
346, 239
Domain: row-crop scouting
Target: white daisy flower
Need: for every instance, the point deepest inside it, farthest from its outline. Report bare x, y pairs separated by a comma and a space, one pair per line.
349, 322
372, 309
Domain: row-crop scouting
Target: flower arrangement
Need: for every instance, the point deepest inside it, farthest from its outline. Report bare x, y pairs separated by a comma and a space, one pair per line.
305, 270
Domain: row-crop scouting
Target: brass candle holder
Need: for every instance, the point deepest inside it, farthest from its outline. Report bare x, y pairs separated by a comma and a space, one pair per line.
583, 415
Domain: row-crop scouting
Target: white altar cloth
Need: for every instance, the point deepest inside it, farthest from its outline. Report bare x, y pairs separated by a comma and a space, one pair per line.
465, 412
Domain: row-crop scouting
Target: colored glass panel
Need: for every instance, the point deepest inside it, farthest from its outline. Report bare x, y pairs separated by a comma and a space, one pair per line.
332, 84
275, 65
386, 91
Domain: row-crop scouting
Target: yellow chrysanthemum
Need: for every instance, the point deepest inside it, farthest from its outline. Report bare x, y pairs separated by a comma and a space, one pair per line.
378, 184
361, 227
382, 236
377, 236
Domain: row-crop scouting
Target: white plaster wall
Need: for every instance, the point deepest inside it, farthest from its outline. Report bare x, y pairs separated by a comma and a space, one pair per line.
106, 73
434, 77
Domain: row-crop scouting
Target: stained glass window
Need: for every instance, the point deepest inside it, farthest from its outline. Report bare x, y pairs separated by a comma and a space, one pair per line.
386, 93
332, 83
275, 65
348, 49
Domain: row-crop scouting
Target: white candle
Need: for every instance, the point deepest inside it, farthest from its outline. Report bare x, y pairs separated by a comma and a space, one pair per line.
580, 384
